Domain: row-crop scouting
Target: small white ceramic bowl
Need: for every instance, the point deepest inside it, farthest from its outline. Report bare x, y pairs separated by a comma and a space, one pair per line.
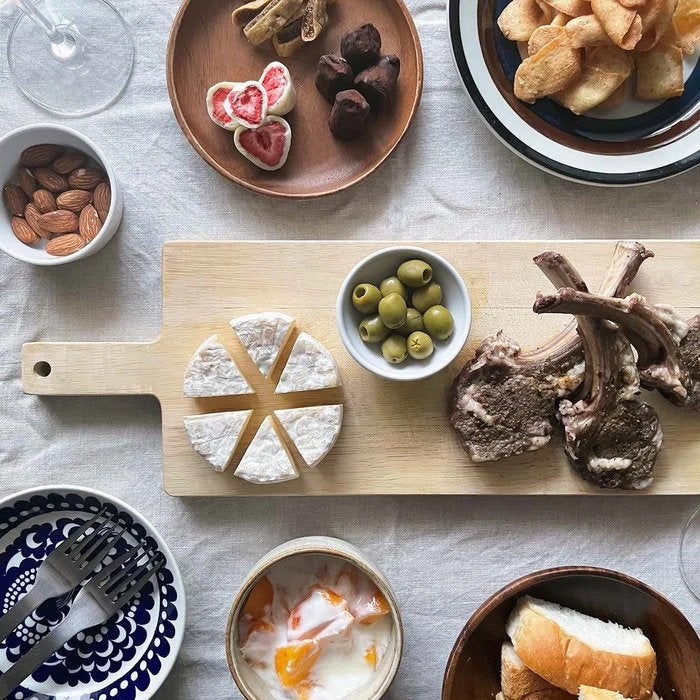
11, 147
373, 269
249, 683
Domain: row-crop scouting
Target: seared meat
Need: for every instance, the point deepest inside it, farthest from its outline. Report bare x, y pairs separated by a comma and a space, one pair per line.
668, 347
504, 401
612, 438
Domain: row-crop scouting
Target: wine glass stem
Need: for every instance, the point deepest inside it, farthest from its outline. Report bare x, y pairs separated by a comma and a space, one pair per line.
56, 36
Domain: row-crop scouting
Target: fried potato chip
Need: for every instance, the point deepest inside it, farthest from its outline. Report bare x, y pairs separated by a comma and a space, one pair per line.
652, 32
552, 69
686, 21
587, 31
541, 37
560, 20
617, 98
660, 72
572, 8
522, 50
622, 24
521, 17
604, 70
633, 3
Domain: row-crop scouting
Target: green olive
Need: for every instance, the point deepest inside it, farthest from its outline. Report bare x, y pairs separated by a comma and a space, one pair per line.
414, 322
372, 330
415, 273
365, 298
394, 349
393, 285
425, 297
438, 322
420, 345
392, 311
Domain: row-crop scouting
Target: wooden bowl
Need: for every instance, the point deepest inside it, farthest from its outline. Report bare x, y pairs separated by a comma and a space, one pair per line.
473, 669
205, 48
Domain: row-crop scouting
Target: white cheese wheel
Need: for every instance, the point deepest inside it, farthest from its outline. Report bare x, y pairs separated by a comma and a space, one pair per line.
313, 430
263, 336
213, 372
267, 459
215, 436
310, 366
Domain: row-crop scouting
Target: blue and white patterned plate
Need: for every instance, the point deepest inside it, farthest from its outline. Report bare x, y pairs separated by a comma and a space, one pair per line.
126, 659
636, 143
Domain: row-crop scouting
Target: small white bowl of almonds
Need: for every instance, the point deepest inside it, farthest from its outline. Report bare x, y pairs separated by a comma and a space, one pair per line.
61, 201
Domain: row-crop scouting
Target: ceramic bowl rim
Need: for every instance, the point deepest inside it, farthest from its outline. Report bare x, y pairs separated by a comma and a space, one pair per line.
300, 546
110, 224
431, 367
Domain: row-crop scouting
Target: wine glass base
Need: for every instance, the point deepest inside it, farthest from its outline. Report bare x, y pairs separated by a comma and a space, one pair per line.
90, 79
690, 554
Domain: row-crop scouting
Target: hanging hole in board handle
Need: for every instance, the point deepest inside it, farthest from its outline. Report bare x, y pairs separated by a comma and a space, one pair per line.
43, 369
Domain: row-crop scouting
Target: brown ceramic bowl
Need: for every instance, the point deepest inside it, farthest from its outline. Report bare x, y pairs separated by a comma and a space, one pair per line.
205, 48
473, 669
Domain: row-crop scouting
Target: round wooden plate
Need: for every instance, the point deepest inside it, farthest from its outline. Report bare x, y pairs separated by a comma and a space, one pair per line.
205, 48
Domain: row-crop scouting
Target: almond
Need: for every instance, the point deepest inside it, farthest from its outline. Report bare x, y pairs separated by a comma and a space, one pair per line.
23, 231
103, 200
45, 201
59, 221
68, 162
51, 180
74, 200
15, 199
26, 180
89, 223
32, 215
85, 178
67, 244
41, 154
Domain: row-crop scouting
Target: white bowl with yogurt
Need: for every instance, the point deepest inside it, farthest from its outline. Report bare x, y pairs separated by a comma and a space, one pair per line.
322, 605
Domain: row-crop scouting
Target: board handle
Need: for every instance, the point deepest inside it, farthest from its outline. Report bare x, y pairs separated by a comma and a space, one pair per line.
88, 369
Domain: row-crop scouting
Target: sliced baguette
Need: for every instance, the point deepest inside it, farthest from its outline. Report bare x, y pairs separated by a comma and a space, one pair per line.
570, 649
520, 683
585, 692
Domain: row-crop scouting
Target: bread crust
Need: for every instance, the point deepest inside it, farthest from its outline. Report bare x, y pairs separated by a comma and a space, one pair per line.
518, 682
568, 662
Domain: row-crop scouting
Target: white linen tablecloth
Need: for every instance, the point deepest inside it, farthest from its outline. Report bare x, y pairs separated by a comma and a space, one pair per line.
450, 178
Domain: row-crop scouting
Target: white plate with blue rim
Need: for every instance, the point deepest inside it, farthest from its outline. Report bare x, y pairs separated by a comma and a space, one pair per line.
127, 658
636, 143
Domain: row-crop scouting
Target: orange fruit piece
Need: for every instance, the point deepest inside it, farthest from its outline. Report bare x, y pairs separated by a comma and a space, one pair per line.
294, 662
257, 625
371, 655
373, 609
259, 598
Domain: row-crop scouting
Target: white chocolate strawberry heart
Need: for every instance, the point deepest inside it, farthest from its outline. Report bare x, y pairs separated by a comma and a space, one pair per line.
248, 105
281, 95
216, 97
268, 146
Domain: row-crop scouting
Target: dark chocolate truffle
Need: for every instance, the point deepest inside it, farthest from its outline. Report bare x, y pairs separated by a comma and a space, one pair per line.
333, 75
360, 47
348, 116
378, 82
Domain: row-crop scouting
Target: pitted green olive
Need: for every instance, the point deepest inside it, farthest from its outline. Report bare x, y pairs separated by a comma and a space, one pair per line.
372, 330
365, 298
438, 322
415, 273
393, 285
394, 349
425, 297
419, 345
392, 311
414, 322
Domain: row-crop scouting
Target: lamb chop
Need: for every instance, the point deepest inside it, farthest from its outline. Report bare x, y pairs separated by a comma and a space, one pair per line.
668, 347
503, 403
612, 437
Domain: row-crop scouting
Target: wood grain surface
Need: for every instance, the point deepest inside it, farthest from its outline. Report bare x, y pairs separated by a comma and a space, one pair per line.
395, 439
205, 48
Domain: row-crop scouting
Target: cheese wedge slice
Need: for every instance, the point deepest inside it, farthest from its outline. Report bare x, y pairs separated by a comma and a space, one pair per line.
310, 366
213, 372
313, 430
267, 459
215, 436
263, 336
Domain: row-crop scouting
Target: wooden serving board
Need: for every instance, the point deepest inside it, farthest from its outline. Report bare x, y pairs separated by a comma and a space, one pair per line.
395, 439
